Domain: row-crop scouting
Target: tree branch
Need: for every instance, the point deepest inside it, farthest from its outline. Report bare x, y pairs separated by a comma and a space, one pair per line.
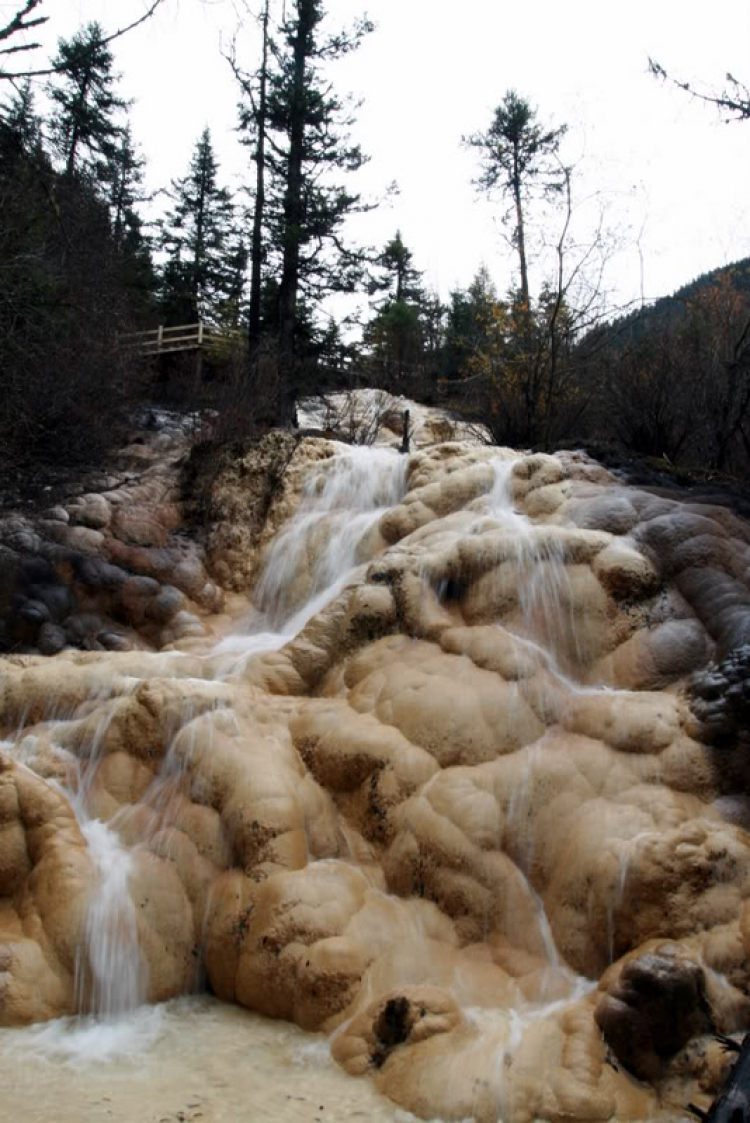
736, 104
45, 71
20, 23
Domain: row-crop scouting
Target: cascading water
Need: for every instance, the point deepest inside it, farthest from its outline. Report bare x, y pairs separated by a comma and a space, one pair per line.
340, 504
112, 977
324, 542
421, 828
537, 576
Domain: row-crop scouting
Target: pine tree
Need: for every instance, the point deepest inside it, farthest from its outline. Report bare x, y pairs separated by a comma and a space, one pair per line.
20, 125
204, 271
518, 155
399, 280
471, 323
396, 334
123, 175
253, 118
305, 125
86, 101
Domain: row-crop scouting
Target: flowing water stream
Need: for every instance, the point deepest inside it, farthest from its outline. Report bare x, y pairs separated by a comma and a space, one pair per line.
121, 1060
195, 1058
341, 502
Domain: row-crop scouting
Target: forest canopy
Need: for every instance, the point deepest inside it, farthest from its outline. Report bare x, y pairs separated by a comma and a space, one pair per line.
91, 257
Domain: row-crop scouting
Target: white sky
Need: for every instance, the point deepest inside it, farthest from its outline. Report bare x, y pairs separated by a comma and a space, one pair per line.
674, 177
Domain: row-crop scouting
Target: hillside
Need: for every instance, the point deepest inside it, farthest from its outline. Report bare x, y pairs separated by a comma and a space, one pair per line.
668, 310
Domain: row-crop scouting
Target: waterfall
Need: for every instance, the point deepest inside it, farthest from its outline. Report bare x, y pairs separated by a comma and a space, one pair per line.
111, 976
341, 502
537, 577
314, 556
430, 824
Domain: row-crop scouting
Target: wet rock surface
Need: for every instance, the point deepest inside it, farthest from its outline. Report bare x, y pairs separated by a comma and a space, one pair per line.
720, 698
451, 800
655, 1005
107, 569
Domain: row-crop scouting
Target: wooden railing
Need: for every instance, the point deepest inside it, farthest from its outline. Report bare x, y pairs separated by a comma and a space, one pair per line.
186, 337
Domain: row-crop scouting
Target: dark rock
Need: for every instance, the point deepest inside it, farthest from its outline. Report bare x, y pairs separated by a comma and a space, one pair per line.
142, 587
166, 605
720, 697
51, 639
92, 511
20, 536
391, 1028
651, 1009
83, 626
83, 539
114, 641
58, 599
733, 1103
98, 574
36, 571
34, 611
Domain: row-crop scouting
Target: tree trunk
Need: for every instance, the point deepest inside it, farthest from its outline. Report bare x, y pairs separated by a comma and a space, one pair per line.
256, 243
70, 163
294, 208
198, 252
520, 234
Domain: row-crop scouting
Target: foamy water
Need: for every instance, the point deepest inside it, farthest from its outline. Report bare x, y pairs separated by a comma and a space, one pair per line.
193, 1059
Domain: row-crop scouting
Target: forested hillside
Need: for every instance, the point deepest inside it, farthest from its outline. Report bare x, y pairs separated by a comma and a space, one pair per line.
89, 257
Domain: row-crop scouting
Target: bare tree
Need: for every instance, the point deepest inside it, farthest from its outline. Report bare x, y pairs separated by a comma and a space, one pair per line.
532, 373
733, 100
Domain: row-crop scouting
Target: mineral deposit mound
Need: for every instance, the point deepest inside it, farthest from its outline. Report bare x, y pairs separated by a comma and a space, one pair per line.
462, 785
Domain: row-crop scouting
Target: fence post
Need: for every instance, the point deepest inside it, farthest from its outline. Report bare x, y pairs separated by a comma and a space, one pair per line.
159, 336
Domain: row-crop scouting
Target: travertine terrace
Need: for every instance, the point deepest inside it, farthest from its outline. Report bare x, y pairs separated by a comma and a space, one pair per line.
453, 793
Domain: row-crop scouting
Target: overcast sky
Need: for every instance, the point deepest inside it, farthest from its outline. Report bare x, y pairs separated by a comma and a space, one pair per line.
673, 177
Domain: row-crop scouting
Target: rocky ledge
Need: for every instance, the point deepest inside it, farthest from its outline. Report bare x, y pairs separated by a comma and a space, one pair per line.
109, 567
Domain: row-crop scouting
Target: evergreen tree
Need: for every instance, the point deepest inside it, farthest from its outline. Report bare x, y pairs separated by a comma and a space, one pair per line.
123, 179
396, 335
64, 300
472, 319
518, 156
20, 126
397, 260
305, 126
17, 45
123, 175
253, 116
86, 101
203, 275
400, 280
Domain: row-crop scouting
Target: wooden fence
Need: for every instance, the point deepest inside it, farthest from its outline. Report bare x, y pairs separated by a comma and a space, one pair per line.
186, 337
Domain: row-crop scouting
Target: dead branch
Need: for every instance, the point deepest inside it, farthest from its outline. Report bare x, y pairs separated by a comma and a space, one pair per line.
46, 71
